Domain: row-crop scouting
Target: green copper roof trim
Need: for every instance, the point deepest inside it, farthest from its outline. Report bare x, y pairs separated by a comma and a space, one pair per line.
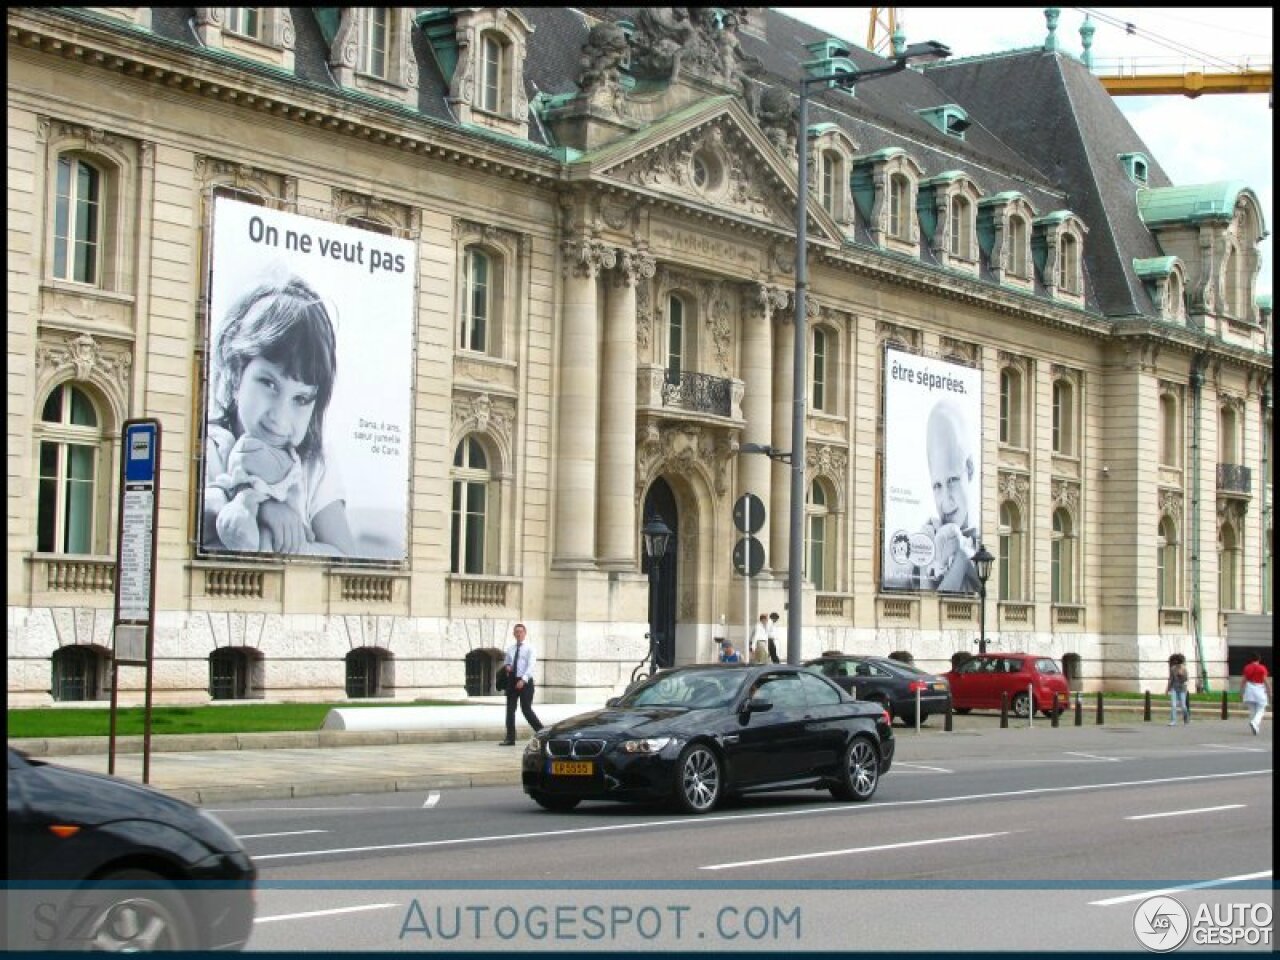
1154, 266
655, 130
1053, 216
1263, 301
329, 19
818, 129
1004, 196
946, 176
885, 153
1190, 204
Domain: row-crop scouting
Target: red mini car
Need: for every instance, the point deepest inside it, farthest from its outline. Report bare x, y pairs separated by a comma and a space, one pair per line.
978, 683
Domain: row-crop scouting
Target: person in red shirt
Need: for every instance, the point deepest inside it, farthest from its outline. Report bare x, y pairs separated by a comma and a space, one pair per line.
1255, 687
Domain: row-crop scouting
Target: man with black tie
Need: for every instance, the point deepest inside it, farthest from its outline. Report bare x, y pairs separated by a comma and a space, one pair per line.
519, 663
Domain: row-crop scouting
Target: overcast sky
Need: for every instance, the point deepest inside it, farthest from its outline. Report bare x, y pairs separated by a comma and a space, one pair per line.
1211, 138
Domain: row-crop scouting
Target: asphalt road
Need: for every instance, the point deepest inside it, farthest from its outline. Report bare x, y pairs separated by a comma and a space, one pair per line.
1062, 839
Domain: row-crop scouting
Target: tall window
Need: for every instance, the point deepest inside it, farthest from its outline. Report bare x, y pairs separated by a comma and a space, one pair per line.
1011, 551
1064, 440
817, 569
819, 390
961, 228
70, 440
1169, 433
1069, 264
1015, 247
675, 339
374, 46
77, 221
1228, 568
246, 21
1062, 559
470, 507
477, 302
1166, 564
831, 182
77, 672
1230, 290
1011, 407
491, 73
1228, 441
899, 206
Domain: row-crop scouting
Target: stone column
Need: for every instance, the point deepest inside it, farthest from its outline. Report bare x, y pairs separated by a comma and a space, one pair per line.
783, 398
616, 496
757, 401
577, 419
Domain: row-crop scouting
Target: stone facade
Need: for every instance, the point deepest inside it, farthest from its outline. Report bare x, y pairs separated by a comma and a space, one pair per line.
676, 185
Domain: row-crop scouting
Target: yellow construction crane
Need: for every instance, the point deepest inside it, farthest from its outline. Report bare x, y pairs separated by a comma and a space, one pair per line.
884, 21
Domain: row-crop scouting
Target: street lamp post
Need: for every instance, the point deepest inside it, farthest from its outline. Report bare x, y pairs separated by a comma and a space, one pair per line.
657, 536
982, 560
915, 53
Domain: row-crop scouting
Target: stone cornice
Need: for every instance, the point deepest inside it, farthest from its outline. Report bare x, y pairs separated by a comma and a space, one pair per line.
1188, 341
82, 38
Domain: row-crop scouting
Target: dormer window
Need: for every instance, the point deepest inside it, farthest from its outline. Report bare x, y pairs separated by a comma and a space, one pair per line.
262, 34
1058, 242
374, 42
1135, 165
833, 151
899, 205
1004, 232
371, 52
492, 69
884, 187
1015, 247
1164, 279
1069, 264
246, 21
949, 213
949, 118
482, 53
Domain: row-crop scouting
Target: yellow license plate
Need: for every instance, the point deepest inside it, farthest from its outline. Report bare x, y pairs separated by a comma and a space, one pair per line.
572, 768
939, 686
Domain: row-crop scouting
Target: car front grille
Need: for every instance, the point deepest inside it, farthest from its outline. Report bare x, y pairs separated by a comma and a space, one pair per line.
575, 748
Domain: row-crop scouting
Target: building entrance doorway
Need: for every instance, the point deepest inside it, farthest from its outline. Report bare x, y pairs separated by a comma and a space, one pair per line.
661, 502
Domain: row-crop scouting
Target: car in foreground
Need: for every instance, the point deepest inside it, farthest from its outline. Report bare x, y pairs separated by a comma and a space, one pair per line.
100, 863
694, 736
1026, 678
891, 683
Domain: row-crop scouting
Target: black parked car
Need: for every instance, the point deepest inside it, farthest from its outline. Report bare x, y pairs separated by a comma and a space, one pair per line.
695, 735
890, 683
100, 863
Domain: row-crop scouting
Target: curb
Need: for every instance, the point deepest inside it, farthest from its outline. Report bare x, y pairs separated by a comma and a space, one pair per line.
205, 796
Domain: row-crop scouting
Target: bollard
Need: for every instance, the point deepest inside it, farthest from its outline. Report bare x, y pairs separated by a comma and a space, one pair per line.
1224, 704
1031, 702
946, 722
1053, 711
917, 710
1079, 709
1146, 706
1004, 710
1098, 718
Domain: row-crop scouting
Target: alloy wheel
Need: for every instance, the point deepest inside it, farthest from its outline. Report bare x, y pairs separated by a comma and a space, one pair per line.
699, 786
864, 768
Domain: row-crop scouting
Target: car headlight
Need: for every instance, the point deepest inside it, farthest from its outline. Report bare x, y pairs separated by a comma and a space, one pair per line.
647, 745
533, 747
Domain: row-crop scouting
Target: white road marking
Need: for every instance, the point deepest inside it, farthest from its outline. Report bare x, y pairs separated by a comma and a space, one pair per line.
1112, 901
1179, 813
851, 850
432, 799
921, 766
325, 913
1094, 756
287, 833
1227, 746
231, 811
689, 821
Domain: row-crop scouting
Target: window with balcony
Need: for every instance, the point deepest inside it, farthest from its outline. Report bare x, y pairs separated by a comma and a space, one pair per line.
471, 510
676, 343
1228, 435
71, 449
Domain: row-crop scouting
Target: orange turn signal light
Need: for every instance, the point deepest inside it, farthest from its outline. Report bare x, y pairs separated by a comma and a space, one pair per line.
62, 830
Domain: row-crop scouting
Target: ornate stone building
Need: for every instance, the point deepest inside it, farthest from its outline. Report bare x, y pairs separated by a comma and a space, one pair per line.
602, 205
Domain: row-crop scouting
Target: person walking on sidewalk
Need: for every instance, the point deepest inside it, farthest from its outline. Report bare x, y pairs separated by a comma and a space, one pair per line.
519, 663
1176, 688
1255, 686
773, 629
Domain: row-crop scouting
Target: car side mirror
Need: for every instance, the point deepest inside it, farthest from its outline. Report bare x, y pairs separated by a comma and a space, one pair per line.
757, 705
612, 701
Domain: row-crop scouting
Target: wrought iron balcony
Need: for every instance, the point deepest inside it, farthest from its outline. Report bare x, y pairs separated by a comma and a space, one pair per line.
699, 392
1234, 478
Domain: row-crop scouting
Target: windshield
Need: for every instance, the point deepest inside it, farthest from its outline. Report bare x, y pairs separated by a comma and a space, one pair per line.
694, 689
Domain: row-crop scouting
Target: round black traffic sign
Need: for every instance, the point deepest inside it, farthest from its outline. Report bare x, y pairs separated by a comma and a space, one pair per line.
748, 556
748, 513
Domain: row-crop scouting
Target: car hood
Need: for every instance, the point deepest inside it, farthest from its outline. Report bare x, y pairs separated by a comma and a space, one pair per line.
613, 722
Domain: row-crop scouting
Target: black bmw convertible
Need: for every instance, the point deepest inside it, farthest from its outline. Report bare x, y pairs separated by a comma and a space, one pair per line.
695, 735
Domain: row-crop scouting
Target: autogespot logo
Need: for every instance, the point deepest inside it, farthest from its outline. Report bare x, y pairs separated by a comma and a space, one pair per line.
1161, 924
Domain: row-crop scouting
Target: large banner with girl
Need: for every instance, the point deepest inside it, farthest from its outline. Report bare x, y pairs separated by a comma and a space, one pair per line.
309, 387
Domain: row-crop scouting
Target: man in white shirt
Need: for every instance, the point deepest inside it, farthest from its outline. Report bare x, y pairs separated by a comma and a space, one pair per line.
519, 663
759, 636
773, 647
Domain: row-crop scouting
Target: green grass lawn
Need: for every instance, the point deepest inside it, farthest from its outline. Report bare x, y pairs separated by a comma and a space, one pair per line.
238, 718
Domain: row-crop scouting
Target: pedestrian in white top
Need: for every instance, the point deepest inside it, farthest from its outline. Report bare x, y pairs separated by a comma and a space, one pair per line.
519, 663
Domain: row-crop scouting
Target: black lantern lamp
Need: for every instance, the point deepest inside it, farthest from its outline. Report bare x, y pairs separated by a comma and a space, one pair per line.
983, 560
657, 537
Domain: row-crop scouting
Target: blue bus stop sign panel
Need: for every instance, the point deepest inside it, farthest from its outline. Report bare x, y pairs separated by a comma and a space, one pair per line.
140, 453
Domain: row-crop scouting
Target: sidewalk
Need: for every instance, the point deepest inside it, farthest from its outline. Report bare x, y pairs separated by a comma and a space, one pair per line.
213, 769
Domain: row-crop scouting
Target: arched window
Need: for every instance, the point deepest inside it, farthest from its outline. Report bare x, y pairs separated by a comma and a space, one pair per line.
1069, 264
1166, 564
1228, 568
231, 673
1015, 247
1064, 418
960, 237
375, 41
1062, 559
1011, 552
820, 546
369, 672
1170, 448
1230, 289
676, 358
477, 302
492, 72
470, 530
67, 503
1175, 308
900, 207
77, 221
79, 672
818, 388
1011, 407
1228, 438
